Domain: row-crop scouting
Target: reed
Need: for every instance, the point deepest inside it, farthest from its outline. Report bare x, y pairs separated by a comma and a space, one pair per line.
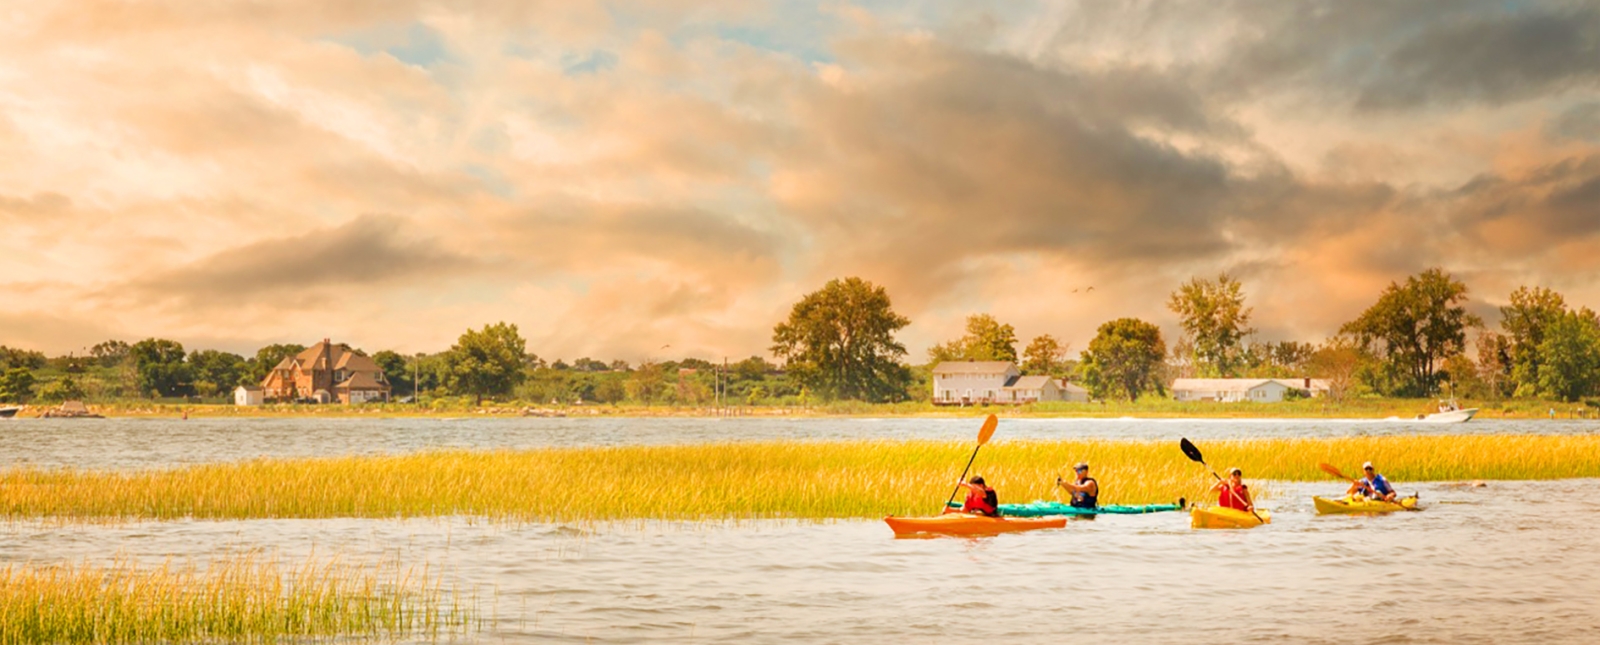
749, 480
235, 599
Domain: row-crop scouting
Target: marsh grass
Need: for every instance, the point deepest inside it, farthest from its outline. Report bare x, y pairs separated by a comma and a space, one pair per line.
806, 480
243, 598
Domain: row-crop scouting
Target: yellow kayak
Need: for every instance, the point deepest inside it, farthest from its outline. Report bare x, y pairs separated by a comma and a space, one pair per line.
1221, 517
1347, 504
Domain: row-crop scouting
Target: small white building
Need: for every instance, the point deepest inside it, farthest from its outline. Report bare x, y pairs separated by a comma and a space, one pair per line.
1073, 393
1233, 390
249, 395
1027, 389
969, 382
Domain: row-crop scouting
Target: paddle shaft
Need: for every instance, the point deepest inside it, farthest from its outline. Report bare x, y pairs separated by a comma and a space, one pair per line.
963, 475
1193, 453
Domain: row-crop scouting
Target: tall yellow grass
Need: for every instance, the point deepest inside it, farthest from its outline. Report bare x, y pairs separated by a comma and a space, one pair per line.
242, 598
749, 480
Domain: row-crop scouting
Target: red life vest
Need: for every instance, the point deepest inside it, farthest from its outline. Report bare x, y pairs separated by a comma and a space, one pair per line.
985, 502
1228, 499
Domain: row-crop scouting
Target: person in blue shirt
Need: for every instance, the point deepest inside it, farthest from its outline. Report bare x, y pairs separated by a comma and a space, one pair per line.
1373, 485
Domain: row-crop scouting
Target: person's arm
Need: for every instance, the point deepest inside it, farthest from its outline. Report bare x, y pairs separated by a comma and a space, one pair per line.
1249, 501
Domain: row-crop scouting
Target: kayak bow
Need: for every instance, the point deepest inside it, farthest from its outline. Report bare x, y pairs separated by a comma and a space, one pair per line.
1221, 517
1347, 504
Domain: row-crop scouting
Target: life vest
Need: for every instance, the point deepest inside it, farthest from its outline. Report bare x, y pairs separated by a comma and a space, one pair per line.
1228, 499
1378, 485
1084, 499
987, 503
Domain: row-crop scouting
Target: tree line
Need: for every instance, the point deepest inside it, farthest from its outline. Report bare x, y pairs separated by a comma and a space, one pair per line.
838, 343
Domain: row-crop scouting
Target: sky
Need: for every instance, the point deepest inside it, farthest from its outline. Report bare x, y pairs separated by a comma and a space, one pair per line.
662, 179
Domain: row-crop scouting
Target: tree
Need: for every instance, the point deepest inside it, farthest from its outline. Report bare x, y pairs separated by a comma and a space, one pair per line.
215, 372
161, 367
839, 341
63, 389
986, 340
1281, 359
109, 353
11, 357
1414, 327
1525, 320
1571, 351
1045, 356
1124, 359
16, 385
397, 370
268, 357
1338, 361
486, 362
1494, 363
1214, 320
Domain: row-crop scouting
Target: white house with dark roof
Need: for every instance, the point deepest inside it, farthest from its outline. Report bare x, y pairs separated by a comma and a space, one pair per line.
969, 382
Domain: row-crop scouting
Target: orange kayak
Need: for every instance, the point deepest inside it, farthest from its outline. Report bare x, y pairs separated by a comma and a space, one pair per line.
967, 524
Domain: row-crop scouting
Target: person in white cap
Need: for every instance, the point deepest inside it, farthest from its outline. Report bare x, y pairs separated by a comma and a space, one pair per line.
1373, 485
1085, 490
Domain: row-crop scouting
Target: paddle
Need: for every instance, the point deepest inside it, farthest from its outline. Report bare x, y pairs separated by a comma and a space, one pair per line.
1194, 455
984, 433
1328, 468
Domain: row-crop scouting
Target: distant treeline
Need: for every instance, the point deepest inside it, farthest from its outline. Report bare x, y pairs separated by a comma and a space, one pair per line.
838, 344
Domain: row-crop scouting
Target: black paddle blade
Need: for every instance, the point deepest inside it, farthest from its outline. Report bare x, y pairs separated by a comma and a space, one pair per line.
1191, 451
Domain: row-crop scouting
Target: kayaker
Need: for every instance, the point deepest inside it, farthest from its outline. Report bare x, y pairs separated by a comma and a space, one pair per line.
981, 500
1373, 485
1232, 493
1085, 491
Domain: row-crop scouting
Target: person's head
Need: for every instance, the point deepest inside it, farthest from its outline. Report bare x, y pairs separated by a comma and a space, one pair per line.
1368, 468
1082, 469
1235, 474
977, 480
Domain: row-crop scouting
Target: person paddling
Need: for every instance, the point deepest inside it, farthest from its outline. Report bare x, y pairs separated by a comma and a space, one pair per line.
1232, 493
1373, 485
1085, 490
981, 500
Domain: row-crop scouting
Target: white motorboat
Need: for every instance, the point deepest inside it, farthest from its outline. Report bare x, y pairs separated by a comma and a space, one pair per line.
9, 411
1449, 412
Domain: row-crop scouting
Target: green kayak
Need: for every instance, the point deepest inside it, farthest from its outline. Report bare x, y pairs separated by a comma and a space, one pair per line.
1042, 508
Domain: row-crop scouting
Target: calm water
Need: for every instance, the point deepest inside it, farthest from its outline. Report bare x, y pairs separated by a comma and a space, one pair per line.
1510, 563
147, 443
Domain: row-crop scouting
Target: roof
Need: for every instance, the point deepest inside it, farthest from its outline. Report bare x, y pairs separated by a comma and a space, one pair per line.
328, 356
1029, 383
1221, 384
252, 388
1073, 387
361, 381
1300, 383
974, 367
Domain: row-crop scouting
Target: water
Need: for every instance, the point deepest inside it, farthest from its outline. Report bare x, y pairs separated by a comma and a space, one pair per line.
150, 443
1510, 563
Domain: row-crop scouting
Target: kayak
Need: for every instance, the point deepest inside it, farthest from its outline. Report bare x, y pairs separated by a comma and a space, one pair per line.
1221, 517
1043, 508
1347, 504
968, 524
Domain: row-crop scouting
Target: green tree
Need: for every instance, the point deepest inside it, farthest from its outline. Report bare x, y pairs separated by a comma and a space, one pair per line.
839, 341
1124, 359
1494, 364
62, 389
268, 357
1045, 356
486, 362
11, 357
1214, 322
16, 385
1571, 351
1413, 328
1525, 320
109, 353
1338, 360
216, 373
986, 339
161, 367
398, 369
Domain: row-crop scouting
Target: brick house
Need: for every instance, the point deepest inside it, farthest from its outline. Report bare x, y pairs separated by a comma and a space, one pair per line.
326, 373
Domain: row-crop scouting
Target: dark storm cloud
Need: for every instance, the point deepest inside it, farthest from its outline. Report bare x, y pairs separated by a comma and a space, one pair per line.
1404, 55
1580, 123
367, 251
1552, 204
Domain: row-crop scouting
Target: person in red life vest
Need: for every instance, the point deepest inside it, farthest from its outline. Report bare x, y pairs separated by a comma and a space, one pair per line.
981, 500
1232, 493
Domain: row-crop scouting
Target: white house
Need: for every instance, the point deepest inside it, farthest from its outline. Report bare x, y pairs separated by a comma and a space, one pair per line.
249, 395
968, 382
1229, 390
1026, 389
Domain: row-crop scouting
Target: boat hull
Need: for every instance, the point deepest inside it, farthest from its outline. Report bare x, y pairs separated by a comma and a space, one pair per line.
968, 524
1348, 505
1453, 416
1219, 517
1041, 508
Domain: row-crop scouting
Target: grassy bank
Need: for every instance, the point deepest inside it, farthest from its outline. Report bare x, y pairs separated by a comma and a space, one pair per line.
749, 480
238, 599
1148, 407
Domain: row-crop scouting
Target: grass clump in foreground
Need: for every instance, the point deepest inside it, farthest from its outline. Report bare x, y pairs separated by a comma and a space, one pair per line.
236, 600
808, 480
